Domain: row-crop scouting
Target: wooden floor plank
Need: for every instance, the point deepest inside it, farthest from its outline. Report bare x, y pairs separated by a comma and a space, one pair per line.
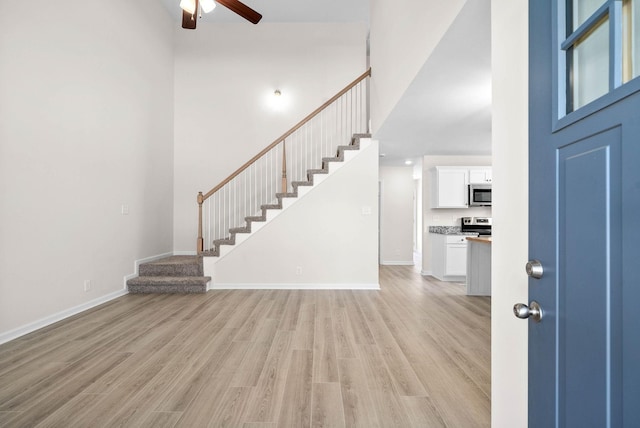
289, 320
327, 406
296, 399
390, 411
197, 374
422, 412
361, 332
406, 381
358, 406
253, 362
345, 342
325, 366
230, 411
267, 395
161, 420
305, 331
249, 330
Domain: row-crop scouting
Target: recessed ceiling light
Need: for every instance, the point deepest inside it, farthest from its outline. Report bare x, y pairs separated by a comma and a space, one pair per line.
408, 162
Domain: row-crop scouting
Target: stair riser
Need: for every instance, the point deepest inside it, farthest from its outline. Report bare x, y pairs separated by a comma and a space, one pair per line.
167, 289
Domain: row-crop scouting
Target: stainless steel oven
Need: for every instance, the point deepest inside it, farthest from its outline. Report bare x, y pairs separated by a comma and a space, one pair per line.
479, 195
479, 225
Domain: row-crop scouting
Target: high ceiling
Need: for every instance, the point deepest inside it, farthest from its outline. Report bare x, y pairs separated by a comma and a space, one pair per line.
447, 108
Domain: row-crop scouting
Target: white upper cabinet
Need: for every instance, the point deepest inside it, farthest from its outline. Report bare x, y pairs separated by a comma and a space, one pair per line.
449, 184
449, 187
480, 176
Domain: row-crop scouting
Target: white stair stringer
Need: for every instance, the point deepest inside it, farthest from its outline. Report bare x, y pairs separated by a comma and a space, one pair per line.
287, 202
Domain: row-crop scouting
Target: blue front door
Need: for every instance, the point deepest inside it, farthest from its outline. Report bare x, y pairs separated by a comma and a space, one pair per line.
584, 213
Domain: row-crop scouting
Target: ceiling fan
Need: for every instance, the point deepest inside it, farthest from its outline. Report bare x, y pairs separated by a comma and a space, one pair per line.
192, 8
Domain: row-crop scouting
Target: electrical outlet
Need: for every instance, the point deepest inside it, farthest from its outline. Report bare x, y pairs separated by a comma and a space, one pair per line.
298, 270
124, 209
87, 284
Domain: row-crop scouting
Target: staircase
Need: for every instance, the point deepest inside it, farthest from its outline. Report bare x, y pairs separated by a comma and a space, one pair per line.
249, 220
241, 204
170, 275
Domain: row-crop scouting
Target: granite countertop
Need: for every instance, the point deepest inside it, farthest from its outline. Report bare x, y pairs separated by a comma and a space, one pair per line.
483, 239
450, 230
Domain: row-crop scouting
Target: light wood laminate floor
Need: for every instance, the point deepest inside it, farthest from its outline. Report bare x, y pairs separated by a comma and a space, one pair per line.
414, 354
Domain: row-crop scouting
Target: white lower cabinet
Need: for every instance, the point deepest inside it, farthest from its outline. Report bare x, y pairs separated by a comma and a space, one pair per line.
448, 257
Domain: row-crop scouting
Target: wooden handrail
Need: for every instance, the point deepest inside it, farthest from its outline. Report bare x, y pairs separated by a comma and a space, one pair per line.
285, 135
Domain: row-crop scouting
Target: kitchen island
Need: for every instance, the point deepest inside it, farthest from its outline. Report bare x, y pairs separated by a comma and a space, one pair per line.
479, 266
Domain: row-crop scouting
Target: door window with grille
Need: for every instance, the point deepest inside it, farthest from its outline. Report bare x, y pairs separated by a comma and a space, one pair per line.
600, 50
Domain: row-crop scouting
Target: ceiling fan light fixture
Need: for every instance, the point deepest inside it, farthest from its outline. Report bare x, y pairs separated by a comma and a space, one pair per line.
188, 6
207, 5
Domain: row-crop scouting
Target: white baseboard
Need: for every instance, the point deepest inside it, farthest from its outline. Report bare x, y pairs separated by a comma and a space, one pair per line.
295, 287
185, 253
426, 273
28, 328
397, 263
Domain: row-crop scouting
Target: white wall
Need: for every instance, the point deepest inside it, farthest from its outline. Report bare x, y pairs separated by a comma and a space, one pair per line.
445, 216
325, 234
396, 211
404, 33
224, 75
510, 212
86, 100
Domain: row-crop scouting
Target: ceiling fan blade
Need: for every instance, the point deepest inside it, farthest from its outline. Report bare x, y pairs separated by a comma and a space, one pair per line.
242, 9
189, 20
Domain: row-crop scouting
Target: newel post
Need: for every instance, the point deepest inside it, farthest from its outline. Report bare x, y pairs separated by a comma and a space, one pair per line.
200, 239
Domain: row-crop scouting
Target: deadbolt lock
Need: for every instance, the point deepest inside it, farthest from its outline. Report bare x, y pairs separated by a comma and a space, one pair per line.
534, 269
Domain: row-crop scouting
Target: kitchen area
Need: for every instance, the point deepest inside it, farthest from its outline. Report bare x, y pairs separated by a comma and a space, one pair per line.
427, 219
458, 235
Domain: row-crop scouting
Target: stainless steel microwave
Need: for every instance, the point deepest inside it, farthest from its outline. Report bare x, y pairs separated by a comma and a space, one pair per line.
479, 195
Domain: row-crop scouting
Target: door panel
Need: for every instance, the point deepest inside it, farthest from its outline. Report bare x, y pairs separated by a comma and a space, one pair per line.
589, 189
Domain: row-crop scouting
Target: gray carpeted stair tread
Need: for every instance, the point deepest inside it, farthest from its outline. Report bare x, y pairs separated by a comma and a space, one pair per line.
173, 266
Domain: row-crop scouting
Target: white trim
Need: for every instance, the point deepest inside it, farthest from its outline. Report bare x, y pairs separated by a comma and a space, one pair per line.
398, 263
43, 322
426, 273
137, 263
295, 287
